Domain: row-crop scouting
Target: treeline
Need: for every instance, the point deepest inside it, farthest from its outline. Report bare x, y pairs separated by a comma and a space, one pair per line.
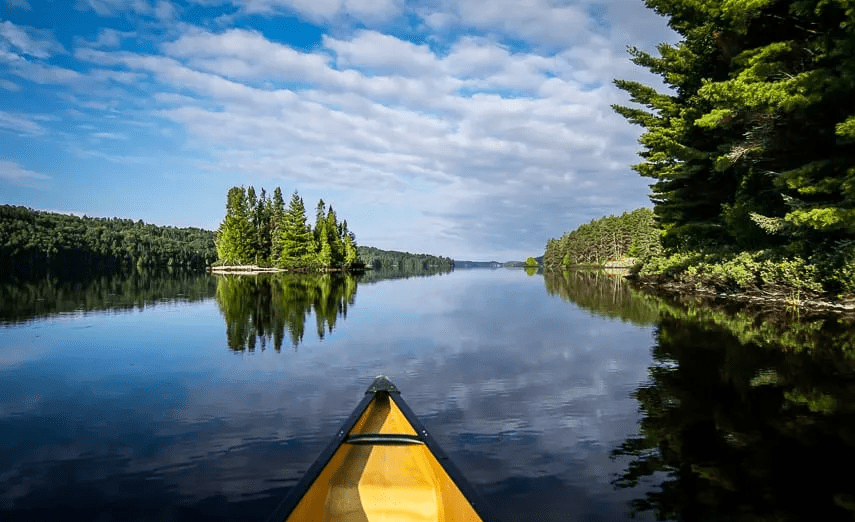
402, 261
259, 230
632, 234
34, 242
753, 144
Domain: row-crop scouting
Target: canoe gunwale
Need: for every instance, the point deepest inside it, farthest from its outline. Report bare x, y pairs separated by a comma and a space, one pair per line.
296, 494
380, 386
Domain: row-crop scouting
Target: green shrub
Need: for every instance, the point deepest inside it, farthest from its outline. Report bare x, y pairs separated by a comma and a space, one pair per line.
750, 270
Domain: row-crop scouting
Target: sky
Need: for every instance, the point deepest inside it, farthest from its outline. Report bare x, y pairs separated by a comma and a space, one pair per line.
471, 129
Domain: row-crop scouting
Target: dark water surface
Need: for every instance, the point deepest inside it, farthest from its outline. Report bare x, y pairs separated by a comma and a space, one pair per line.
570, 397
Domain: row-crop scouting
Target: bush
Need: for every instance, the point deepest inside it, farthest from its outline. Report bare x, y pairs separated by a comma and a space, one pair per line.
747, 270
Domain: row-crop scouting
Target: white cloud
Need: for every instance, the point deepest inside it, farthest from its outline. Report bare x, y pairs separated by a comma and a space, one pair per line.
371, 11
557, 25
21, 124
9, 86
539, 22
14, 174
45, 74
165, 10
122, 77
27, 40
21, 4
108, 37
160, 9
243, 54
381, 53
109, 135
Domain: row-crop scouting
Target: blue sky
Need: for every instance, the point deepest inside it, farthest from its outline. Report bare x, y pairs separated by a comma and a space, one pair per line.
474, 129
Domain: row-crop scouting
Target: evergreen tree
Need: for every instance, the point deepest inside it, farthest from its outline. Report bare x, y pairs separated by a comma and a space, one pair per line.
334, 238
321, 237
755, 148
351, 254
296, 235
320, 220
277, 224
262, 218
236, 235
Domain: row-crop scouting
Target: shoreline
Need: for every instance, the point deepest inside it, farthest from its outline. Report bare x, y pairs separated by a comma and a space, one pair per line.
256, 270
244, 269
778, 299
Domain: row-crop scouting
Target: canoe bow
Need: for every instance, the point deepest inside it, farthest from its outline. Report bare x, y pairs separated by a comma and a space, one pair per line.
383, 465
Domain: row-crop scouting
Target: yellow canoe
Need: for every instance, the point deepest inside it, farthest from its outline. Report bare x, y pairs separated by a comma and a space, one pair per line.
382, 465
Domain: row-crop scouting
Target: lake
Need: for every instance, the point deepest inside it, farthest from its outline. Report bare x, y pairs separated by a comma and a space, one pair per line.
561, 397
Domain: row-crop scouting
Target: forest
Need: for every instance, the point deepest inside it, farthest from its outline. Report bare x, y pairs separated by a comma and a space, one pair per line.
402, 261
35, 242
260, 230
632, 234
751, 147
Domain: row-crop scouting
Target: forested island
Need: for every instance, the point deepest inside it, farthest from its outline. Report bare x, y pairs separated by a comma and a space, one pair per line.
33, 243
752, 149
261, 231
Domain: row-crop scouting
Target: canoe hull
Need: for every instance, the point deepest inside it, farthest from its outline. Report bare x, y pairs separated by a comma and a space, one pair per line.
382, 466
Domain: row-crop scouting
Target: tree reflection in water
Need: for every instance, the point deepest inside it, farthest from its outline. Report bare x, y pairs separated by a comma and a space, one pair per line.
259, 310
748, 415
29, 299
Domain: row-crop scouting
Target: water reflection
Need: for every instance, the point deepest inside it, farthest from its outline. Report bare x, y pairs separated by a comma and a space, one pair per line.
260, 309
264, 309
149, 415
25, 300
749, 413
740, 431
383, 274
604, 294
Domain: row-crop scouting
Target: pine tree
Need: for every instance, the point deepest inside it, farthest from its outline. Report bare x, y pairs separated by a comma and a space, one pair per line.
277, 224
334, 239
235, 236
296, 235
755, 148
261, 220
351, 254
321, 238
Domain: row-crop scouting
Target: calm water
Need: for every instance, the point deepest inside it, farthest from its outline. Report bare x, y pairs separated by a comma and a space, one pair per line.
570, 397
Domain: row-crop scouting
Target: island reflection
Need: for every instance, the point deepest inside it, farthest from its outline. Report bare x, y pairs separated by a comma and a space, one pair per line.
262, 310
